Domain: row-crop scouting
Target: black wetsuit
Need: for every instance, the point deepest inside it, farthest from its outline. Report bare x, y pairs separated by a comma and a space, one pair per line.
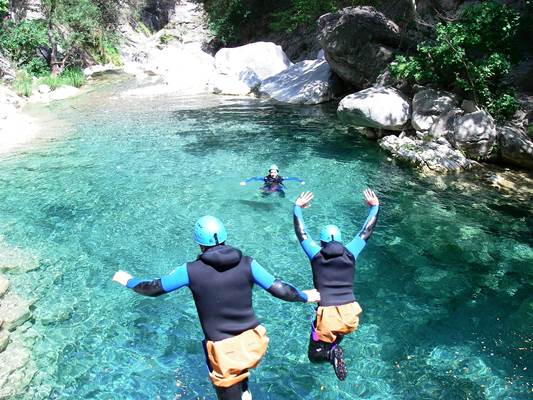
221, 281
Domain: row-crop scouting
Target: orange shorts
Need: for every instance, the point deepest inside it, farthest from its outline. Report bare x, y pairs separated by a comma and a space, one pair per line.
231, 358
334, 320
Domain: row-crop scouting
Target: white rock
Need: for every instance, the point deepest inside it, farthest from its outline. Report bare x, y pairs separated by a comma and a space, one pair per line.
99, 68
44, 89
436, 156
7, 110
376, 107
238, 85
264, 58
4, 286
469, 106
321, 55
15, 376
14, 311
4, 339
307, 82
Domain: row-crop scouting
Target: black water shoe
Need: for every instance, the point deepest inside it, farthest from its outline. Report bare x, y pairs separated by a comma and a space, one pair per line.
337, 360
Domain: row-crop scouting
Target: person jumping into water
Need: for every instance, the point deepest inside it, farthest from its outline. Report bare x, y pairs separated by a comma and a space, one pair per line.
273, 182
221, 281
333, 267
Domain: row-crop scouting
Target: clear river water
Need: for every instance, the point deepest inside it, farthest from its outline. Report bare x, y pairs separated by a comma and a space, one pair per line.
445, 282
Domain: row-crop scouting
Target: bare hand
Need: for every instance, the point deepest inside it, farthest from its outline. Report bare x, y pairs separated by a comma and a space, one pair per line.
243, 183
371, 198
302, 183
304, 199
313, 296
122, 277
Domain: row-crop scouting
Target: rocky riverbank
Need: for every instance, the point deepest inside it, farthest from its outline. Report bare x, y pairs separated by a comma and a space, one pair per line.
16, 326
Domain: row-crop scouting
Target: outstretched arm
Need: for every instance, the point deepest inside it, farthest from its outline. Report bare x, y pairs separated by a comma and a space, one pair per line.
293, 178
167, 283
253, 179
310, 247
360, 240
280, 289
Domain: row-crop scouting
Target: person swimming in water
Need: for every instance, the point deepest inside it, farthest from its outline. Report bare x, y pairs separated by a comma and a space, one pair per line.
273, 182
333, 267
221, 281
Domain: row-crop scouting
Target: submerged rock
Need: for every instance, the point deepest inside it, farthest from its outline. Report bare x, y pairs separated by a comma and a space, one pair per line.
16, 371
263, 58
376, 107
358, 42
307, 82
435, 156
4, 286
14, 311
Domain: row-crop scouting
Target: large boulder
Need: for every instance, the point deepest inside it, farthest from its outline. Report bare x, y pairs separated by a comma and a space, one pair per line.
264, 58
433, 156
444, 124
359, 43
307, 82
238, 85
475, 134
515, 146
428, 105
376, 107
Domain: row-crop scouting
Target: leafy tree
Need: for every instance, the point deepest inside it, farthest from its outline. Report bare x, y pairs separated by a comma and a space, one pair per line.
4, 7
471, 55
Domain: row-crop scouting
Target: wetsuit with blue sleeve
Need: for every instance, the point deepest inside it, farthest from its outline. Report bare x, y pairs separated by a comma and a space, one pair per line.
334, 264
221, 281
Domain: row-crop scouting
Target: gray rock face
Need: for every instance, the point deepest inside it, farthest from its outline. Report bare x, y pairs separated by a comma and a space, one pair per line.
358, 43
428, 105
307, 82
238, 85
14, 311
515, 147
6, 72
376, 107
475, 134
435, 156
443, 126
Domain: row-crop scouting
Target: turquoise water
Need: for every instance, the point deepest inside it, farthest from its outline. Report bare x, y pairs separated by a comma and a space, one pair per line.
445, 283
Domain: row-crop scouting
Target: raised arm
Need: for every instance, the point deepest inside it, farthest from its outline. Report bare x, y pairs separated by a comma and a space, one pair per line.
360, 240
167, 283
280, 289
253, 179
310, 247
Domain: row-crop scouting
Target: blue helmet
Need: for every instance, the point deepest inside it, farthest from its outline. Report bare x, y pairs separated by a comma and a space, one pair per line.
209, 231
329, 233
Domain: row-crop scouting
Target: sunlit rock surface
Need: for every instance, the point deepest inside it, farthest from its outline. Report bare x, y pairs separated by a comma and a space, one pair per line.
307, 82
376, 107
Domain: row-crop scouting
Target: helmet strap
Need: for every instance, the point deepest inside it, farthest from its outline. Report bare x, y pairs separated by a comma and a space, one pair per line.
216, 238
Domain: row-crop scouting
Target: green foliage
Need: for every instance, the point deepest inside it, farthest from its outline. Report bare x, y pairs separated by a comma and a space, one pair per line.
22, 85
69, 77
166, 38
226, 17
22, 42
471, 56
73, 77
4, 7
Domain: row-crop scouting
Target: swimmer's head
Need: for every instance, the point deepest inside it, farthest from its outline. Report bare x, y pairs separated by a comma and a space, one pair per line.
273, 171
209, 231
330, 233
